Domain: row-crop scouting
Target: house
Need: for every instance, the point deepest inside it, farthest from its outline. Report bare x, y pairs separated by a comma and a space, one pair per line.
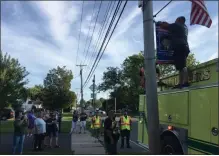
30, 104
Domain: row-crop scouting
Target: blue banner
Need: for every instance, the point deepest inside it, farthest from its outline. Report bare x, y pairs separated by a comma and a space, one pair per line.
164, 52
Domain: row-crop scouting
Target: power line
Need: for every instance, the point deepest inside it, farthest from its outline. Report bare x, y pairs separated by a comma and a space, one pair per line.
93, 12
112, 20
93, 30
108, 40
162, 8
79, 36
103, 23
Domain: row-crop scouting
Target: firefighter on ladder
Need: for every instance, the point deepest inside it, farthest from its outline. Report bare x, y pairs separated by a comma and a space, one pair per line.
125, 128
96, 122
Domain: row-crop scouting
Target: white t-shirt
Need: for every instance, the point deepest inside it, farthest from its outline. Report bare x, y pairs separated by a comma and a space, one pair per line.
40, 126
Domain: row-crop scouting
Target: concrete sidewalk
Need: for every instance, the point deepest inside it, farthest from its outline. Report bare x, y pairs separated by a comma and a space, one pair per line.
86, 144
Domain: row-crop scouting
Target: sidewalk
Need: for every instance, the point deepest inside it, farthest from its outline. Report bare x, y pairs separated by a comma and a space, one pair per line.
85, 144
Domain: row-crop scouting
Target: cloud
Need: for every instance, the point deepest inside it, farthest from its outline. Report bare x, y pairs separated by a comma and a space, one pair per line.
43, 35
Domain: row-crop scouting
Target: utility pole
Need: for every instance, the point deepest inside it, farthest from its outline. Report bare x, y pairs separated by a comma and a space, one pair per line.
150, 75
81, 72
94, 92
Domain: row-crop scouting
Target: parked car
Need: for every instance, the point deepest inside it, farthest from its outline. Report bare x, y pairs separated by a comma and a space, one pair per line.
6, 113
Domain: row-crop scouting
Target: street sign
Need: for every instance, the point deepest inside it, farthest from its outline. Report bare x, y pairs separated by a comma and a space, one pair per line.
91, 87
93, 95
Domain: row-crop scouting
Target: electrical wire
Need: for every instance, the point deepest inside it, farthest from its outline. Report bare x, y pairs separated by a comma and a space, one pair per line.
93, 29
109, 37
93, 12
103, 25
112, 20
79, 37
162, 8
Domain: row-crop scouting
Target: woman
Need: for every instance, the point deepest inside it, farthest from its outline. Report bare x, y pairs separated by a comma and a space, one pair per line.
20, 126
74, 121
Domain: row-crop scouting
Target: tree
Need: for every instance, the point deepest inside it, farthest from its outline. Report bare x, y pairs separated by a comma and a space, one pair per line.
56, 92
111, 78
167, 69
35, 92
12, 81
124, 83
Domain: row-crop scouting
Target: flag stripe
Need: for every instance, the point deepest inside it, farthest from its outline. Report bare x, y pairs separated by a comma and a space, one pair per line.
199, 14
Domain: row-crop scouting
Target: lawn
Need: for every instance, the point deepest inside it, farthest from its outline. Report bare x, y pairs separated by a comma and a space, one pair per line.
7, 126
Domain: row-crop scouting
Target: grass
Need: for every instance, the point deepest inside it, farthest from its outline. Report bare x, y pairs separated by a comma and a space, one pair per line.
7, 126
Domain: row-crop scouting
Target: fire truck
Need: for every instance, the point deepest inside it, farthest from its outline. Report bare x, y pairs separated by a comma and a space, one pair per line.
188, 117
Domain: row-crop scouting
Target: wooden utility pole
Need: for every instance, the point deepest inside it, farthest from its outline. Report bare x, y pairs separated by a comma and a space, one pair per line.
81, 74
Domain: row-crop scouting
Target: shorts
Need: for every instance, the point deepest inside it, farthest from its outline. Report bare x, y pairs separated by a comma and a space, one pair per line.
74, 124
180, 55
52, 134
83, 123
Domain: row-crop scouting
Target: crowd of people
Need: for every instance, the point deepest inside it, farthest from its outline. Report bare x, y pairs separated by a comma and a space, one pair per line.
42, 126
112, 129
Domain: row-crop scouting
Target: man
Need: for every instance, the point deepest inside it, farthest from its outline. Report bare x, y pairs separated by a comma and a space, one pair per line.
20, 126
110, 138
60, 119
96, 124
74, 122
180, 46
83, 118
125, 127
53, 130
40, 130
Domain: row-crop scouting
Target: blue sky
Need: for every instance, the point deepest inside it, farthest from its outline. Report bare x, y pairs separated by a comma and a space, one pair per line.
44, 34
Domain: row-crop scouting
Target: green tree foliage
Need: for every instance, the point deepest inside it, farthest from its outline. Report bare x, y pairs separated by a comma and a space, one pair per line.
56, 92
12, 81
124, 82
35, 92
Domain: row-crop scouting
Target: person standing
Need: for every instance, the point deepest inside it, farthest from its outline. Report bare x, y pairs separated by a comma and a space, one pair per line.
125, 127
53, 130
74, 121
20, 126
96, 125
31, 119
83, 118
180, 46
40, 130
110, 137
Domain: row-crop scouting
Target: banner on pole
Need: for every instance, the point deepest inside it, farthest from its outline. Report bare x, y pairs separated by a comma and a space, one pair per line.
164, 52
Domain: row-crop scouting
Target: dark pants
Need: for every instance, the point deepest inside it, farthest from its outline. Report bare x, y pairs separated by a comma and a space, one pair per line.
125, 133
180, 55
111, 149
38, 140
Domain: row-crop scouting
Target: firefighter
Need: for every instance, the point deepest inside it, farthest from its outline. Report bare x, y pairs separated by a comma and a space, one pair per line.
96, 120
125, 128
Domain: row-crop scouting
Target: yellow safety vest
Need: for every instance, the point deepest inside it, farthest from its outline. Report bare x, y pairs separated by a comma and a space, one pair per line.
125, 122
96, 122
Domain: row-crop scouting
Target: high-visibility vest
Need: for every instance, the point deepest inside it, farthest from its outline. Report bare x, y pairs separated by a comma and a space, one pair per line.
125, 122
97, 122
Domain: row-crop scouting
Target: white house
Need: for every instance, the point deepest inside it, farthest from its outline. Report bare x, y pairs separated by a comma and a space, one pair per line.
29, 104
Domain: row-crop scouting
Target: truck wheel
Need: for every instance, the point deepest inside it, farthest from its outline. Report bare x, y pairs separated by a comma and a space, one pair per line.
170, 145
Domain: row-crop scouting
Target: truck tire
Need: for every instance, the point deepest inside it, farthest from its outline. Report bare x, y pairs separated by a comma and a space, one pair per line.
170, 145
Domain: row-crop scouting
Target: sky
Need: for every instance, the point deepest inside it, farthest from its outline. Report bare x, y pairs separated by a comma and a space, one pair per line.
45, 34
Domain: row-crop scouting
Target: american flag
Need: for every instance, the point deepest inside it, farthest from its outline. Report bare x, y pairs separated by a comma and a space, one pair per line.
199, 14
